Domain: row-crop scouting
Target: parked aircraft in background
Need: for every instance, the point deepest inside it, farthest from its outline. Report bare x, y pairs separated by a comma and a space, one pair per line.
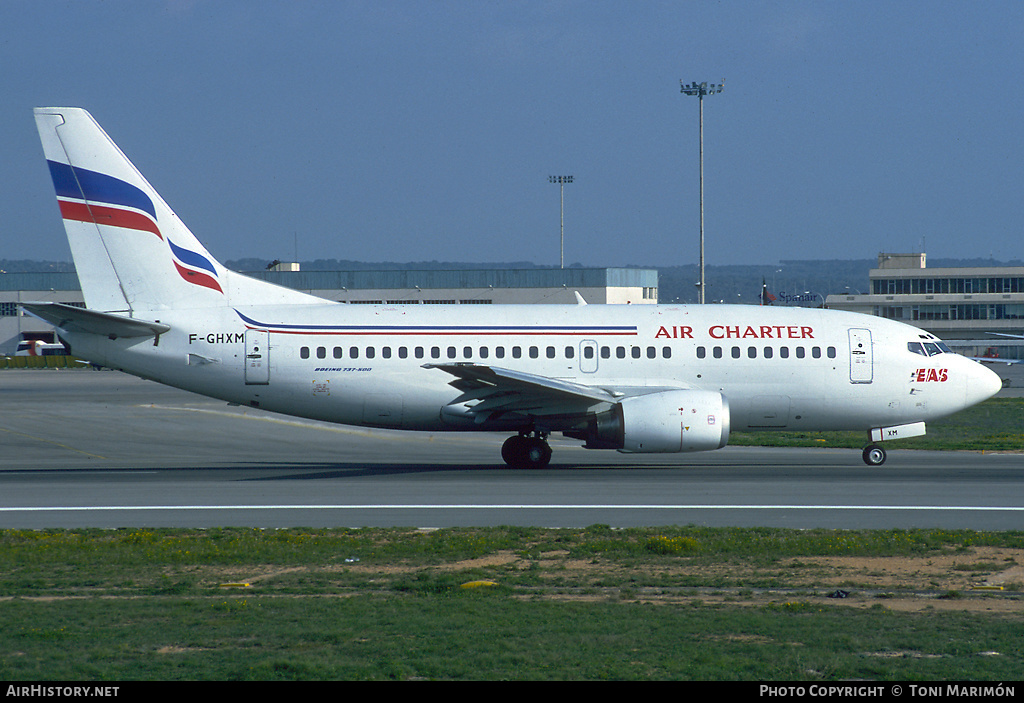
633, 378
991, 356
991, 353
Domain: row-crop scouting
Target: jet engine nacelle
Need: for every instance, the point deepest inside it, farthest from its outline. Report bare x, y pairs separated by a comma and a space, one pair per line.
669, 421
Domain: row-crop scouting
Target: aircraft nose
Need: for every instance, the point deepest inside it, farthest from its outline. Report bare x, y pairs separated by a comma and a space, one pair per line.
982, 384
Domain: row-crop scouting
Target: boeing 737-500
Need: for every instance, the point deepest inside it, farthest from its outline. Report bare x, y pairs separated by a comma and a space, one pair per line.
634, 378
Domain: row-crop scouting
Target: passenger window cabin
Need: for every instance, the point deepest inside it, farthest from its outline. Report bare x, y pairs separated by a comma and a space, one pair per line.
590, 352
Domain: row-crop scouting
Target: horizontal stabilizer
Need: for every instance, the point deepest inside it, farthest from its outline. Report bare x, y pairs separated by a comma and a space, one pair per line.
72, 319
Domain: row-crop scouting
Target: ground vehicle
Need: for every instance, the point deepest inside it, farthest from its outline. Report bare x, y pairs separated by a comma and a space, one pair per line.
37, 347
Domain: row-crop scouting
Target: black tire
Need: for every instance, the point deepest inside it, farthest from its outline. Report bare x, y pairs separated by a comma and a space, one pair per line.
513, 450
521, 452
537, 454
873, 455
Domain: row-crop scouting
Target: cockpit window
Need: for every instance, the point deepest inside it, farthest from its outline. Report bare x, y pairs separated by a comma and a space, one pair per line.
929, 348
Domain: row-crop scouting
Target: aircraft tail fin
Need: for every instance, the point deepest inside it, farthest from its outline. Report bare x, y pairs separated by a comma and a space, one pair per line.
131, 251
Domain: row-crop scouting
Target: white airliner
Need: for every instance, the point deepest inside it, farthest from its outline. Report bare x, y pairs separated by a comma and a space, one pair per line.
634, 378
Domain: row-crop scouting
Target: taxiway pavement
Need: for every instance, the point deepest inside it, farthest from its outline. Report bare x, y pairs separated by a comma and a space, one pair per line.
103, 449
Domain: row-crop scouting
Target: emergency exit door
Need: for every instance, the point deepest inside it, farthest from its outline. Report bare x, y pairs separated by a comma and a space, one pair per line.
588, 356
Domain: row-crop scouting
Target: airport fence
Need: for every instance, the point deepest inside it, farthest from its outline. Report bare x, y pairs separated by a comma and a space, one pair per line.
41, 362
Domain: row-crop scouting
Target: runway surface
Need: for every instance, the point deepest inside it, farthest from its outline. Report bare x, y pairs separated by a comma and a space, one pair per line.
103, 449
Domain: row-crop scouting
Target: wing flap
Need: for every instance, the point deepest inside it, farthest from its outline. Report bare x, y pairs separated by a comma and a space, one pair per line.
476, 379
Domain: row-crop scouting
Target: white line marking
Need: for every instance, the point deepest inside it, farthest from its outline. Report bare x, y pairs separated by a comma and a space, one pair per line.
510, 506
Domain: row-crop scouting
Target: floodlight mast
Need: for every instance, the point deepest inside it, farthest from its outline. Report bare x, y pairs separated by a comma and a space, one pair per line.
700, 90
561, 181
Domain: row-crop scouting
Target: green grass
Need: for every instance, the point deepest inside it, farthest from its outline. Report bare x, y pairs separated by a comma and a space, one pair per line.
995, 425
133, 604
472, 636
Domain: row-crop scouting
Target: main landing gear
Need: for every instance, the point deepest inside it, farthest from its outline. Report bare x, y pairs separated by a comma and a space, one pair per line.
873, 455
526, 451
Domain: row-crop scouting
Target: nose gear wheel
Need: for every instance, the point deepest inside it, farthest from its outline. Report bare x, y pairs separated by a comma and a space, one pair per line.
873, 455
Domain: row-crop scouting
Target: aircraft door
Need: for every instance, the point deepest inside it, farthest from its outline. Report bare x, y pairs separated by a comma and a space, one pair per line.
861, 356
588, 356
257, 357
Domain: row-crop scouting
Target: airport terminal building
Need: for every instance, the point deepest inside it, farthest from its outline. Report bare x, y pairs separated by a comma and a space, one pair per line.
968, 307
426, 287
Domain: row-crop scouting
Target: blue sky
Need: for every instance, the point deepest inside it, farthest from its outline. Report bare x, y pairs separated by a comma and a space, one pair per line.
426, 130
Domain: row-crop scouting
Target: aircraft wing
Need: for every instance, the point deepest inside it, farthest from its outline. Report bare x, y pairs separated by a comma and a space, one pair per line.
994, 360
501, 391
74, 319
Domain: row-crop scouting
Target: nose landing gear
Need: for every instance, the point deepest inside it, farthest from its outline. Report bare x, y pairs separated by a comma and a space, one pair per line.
526, 451
873, 455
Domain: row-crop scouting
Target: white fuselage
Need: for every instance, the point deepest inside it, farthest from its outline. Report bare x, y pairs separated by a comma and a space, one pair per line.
368, 365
